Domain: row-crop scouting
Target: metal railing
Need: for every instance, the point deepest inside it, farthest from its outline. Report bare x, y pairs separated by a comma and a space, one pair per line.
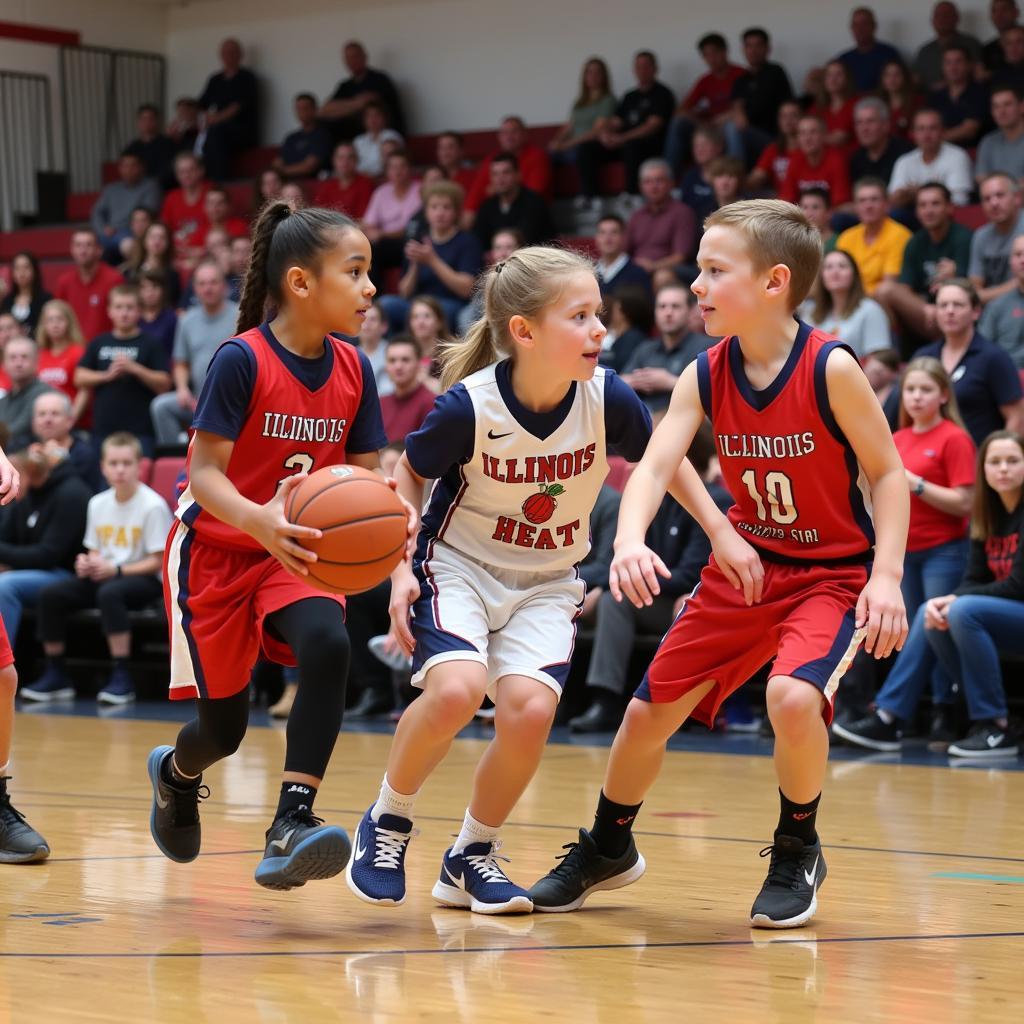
26, 142
101, 90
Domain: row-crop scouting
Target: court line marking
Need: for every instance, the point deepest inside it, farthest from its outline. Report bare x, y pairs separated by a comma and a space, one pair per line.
971, 876
214, 805
583, 947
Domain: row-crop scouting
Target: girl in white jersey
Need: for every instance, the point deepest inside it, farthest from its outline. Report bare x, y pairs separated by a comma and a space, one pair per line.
517, 448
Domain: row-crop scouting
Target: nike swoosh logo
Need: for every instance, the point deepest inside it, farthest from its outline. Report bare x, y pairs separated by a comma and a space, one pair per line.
497, 437
809, 876
360, 850
459, 883
282, 843
994, 741
161, 802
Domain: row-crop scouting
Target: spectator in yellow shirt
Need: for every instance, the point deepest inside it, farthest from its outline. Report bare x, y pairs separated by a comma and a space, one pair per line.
877, 242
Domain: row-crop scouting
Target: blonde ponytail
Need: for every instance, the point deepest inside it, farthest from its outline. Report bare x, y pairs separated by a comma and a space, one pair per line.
523, 285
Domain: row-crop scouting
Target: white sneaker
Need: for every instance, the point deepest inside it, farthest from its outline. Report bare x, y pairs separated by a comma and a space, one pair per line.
395, 660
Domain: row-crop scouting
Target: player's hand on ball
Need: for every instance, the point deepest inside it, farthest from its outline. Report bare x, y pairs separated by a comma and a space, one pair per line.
739, 562
634, 574
281, 538
881, 611
405, 589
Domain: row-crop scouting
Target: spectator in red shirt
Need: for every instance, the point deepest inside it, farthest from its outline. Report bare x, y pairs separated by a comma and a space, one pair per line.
770, 170
405, 409
346, 190
85, 288
217, 207
663, 232
60, 347
450, 159
534, 166
183, 210
834, 104
710, 100
815, 165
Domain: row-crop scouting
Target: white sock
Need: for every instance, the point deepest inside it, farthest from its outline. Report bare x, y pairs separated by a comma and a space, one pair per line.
886, 716
4, 767
473, 831
391, 801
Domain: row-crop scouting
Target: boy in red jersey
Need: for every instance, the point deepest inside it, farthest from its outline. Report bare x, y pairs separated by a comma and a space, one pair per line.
798, 572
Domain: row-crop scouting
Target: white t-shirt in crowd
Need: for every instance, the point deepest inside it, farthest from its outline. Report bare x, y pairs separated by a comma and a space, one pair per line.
951, 167
127, 531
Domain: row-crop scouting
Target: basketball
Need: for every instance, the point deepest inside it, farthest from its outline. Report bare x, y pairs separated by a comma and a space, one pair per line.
363, 523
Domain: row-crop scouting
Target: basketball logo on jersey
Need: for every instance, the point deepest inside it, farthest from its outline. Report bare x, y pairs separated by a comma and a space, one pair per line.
539, 508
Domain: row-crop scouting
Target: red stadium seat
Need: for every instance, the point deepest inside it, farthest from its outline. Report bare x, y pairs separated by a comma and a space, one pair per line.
44, 243
619, 471
164, 478
145, 469
972, 217
79, 205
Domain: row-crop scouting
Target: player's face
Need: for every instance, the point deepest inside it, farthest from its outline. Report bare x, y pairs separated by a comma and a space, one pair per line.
569, 332
343, 291
954, 311
727, 287
922, 396
120, 466
1004, 466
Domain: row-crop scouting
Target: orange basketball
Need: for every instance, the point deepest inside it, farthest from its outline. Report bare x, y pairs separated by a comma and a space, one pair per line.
363, 523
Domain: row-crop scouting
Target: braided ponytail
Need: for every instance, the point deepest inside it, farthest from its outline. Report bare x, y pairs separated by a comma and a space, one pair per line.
254, 289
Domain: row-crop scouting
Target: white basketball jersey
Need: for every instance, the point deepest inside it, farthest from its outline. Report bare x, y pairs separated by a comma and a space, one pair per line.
524, 502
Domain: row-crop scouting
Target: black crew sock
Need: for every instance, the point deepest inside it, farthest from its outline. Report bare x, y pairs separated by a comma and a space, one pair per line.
295, 795
613, 825
798, 820
170, 774
120, 663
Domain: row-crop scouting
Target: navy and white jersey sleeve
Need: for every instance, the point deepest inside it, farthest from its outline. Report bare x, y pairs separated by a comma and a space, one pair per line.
627, 421
366, 434
227, 391
447, 437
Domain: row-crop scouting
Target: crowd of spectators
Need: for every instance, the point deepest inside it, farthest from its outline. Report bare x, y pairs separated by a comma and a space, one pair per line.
882, 151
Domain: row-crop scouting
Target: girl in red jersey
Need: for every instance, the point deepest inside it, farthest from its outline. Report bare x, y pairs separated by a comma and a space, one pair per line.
234, 567
19, 842
797, 576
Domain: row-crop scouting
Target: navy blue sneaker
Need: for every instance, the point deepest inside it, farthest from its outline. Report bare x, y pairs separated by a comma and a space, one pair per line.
475, 881
120, 688
376, 871
300, 847
51, 685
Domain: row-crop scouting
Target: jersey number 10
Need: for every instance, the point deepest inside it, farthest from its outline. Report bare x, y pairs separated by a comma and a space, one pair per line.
774, 499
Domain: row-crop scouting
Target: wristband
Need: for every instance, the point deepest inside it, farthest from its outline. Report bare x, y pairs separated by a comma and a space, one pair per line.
919, 486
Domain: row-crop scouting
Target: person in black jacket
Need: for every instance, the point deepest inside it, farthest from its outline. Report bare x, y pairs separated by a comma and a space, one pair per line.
41, 534
512, 205
230, 103
680, 542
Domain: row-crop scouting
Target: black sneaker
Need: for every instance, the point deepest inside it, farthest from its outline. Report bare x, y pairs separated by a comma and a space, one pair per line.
174, 820
987, 741
599, 717
583, 870
789, 896
370, 704
871, 732
20, 843
944, 728
300, 847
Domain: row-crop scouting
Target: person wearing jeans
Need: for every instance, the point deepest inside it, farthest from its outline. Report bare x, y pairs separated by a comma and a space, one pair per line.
938, 457
984, 617
41, 534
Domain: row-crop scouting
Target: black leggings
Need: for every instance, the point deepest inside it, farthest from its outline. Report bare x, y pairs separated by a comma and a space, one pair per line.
314, 628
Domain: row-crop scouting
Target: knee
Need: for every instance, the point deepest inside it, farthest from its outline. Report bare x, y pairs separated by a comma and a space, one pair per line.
642, 725
328, 652
109, 597
960, 614
452, 702
529, 721
8, 683
794, 706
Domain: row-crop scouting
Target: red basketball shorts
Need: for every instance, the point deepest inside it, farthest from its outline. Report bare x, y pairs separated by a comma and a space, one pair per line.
217, 602
805, 620
6, 654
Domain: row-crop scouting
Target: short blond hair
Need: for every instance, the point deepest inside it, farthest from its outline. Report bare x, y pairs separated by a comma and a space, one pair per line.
450, 190
775, 232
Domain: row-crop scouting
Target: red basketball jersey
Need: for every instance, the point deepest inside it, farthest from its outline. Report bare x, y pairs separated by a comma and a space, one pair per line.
796, 483
288, 429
